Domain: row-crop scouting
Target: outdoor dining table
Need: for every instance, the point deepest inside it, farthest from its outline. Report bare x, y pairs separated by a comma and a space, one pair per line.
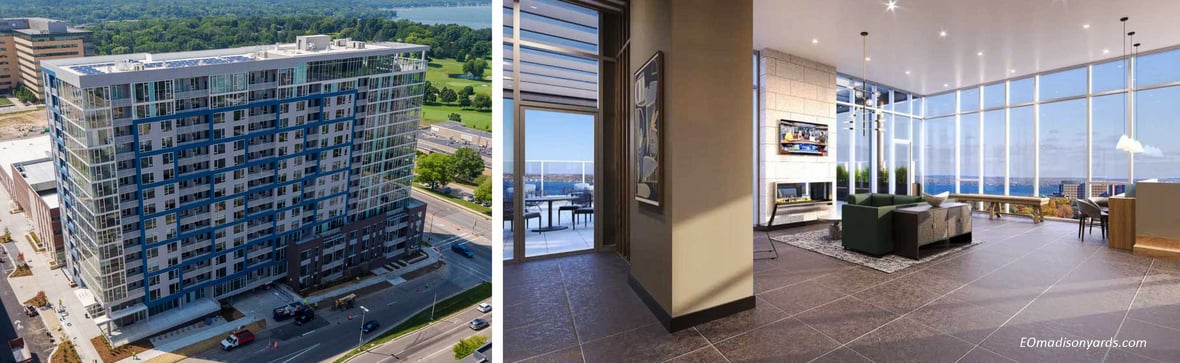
550, 199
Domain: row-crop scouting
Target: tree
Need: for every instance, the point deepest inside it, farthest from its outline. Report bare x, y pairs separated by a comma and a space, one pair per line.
455, 117
460, 57
467, 163
467, 91
483, 193
430, 94
25, 95
482, 102
467, 346
434, 170
464, 101
475, 67
447, 95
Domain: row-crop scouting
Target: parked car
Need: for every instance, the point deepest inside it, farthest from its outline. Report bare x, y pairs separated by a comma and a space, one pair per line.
478, 324
30, 310
484, 307
469, 198
462, 250
369, 326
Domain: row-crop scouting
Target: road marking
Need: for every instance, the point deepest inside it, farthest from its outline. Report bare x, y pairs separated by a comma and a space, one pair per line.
296, 354
391, 303
305, 334
18, 325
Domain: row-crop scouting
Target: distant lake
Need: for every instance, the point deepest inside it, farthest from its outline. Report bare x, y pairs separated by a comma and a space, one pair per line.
476, 17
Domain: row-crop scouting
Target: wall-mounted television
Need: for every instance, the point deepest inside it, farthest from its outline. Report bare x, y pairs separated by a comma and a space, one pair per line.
802, 138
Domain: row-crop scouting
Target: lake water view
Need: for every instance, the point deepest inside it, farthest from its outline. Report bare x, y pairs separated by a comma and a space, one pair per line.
475, 17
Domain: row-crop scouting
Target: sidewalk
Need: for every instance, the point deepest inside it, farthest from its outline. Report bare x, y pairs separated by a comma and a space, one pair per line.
200, 335
53, 282
394, 278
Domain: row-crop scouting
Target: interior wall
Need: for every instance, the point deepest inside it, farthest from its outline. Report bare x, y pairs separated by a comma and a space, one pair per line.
797, 89
1155, 210
697, 253
651, 237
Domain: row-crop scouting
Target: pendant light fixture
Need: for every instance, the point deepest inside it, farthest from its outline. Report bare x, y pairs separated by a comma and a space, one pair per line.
864, 78
1126, 142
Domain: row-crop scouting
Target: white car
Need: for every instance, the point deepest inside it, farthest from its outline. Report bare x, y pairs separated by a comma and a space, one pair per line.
484, 307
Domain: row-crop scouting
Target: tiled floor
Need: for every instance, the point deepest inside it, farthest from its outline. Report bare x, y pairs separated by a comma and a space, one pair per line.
1026, 280
566, 240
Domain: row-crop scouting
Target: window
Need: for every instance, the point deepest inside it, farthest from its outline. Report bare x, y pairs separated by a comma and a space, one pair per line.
940, 155
969, 144
994, 145
1022, 150
1063, 84
1062, 139
993, 96
1108, 119
1155, 127
969, 99
940, 105
1109, 76
1020, 91
1157, 68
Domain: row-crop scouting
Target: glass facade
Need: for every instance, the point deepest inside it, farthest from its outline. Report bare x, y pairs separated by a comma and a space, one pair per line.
174, 190
858, 138
1052, 134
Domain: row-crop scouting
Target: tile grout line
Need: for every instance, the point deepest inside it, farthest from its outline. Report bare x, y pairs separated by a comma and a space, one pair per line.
569, 306
1129, 307
830, 337
899, 317
1030, 302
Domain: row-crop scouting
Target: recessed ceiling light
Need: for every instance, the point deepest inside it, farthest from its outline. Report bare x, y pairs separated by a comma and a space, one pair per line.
891, 5
942, 33
907, 72
1085, 26
814, 40
1011, 71
945, 85
868, 59
979, 54
1104, 51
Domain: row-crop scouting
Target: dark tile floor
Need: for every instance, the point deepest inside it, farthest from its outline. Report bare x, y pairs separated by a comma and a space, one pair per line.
1024, 281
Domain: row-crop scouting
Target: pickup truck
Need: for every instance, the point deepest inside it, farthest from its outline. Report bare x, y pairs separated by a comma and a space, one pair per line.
237, 339
290, 311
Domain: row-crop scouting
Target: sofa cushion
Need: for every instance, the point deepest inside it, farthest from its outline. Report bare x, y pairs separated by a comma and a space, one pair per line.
859, 199
906, 199
881, 200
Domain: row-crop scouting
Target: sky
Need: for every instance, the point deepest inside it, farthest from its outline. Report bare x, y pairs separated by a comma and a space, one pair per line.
551, 135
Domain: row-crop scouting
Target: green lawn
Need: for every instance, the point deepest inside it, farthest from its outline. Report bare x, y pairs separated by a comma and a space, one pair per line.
464, 300
460, 201
446, 72
5, 102
481, 120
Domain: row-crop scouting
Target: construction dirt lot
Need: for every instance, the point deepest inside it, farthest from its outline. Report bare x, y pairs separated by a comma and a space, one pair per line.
23, 124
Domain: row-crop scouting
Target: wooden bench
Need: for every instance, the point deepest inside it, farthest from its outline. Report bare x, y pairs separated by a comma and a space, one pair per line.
993, 204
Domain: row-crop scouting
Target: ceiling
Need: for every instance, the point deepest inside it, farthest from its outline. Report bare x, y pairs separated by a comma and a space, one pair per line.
1016, 37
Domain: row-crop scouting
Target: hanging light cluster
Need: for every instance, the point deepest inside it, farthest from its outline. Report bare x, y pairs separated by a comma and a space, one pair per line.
865, 116
1126, 142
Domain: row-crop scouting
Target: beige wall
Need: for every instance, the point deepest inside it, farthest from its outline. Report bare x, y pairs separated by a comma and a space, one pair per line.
12, 69
30, 67
698, 253
797, 89
1155, 210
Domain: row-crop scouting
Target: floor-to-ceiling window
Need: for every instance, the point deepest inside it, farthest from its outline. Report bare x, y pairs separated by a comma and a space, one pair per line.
866, 144
551, 69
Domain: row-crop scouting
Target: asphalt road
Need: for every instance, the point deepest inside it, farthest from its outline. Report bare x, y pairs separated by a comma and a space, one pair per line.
444, 218
31, 328
431, 344
430, 143
333, 333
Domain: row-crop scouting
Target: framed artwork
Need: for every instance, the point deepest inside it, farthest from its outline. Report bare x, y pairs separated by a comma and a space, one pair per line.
649, 129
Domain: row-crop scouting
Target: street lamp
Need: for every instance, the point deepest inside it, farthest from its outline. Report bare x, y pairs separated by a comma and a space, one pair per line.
361, 339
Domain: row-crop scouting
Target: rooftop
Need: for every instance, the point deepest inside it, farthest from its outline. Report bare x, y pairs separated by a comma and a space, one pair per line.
34, 26
305, 46
22, 150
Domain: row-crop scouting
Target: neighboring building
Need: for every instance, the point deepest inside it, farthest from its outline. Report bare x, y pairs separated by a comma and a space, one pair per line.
1106, 189
26, 171
25, 42
191, 177
464, 135
1072, 189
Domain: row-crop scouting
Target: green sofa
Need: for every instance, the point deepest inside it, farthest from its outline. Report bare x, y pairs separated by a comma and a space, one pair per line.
868, 221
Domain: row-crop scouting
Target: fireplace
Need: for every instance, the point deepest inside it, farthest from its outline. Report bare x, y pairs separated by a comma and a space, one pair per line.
786, 193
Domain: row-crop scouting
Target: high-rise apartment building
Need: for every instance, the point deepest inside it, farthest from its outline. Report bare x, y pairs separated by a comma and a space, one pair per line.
25, 42
194, 176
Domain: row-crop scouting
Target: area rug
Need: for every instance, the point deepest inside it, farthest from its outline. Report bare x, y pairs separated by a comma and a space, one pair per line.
819, 242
